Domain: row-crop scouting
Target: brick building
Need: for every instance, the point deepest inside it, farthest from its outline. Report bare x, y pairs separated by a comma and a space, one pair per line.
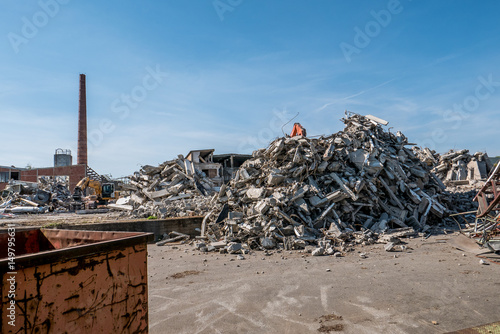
63, 161
74, 173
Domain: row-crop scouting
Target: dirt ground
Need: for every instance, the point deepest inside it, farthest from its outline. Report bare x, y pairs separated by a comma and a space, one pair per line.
430, 287
45, 219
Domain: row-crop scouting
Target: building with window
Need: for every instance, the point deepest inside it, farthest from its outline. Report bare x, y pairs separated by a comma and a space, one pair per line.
230, 163
9, 173
219, 168
203, 161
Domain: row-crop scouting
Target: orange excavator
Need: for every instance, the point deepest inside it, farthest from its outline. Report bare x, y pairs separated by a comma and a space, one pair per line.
298, 130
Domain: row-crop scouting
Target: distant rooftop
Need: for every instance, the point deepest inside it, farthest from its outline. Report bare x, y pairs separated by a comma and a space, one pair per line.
13, 167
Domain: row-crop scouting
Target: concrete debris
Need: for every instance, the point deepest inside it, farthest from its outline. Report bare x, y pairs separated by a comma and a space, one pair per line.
122, 207
389, 247
26, 209
218, 244
267, 243
47, 195
457, 168
461, 175
233, 248
318, 251
174, 237
58, 188
346, 188
460, 200
173, 189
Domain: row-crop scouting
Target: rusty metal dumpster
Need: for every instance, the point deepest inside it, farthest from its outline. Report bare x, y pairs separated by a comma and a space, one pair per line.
63, 281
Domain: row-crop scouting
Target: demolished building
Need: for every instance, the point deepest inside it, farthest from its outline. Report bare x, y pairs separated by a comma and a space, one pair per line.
230, 163
303, 190
457, 167
175, 188
203, 161
219, 168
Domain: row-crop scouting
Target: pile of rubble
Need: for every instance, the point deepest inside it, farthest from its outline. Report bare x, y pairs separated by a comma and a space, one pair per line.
462, 173
349, 186
28, 197
59, 190
457, 168
462, 168
173, 189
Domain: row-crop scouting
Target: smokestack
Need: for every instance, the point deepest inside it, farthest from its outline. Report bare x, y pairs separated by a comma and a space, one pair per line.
82, 124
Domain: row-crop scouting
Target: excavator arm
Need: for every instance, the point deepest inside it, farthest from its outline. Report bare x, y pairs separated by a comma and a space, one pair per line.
298, 130
85, 183
80, 189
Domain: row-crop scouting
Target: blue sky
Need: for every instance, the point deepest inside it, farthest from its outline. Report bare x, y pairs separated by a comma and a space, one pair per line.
227, 74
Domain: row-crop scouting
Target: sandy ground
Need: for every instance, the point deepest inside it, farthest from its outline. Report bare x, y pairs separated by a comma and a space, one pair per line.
387, 292
41, 220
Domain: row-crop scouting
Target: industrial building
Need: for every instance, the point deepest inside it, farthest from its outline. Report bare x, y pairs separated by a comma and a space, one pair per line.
219, 168
63, 160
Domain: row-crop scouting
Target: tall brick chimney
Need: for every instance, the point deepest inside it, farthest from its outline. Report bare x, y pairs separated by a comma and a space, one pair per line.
82, 124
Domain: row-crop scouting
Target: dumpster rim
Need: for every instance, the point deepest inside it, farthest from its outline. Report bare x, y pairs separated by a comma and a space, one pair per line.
50, 256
